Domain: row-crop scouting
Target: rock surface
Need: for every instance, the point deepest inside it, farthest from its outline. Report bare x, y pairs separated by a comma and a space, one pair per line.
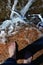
25, 36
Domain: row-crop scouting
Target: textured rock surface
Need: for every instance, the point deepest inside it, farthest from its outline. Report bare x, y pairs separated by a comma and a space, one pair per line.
25, 36
3, 52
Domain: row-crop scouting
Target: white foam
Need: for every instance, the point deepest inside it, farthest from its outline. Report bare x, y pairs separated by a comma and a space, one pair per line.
2, 37
6, 23
39, 15
13, 8
26, 8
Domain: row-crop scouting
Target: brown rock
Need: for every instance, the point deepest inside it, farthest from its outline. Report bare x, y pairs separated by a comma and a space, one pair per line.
25, 36
3, 52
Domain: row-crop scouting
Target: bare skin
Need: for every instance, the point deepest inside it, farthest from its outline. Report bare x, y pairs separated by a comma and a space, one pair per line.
12, 49
28, 60
25, 61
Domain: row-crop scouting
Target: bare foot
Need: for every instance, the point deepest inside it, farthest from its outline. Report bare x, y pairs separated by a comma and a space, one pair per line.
12, 49
28, 60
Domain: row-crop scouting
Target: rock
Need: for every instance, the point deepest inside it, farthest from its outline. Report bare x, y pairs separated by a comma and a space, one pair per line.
25, 36
3, 53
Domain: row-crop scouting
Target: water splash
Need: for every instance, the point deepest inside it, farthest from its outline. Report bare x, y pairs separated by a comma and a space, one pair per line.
5, 24
13, 8
17, 18
39, 15
3, 37
26, 8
